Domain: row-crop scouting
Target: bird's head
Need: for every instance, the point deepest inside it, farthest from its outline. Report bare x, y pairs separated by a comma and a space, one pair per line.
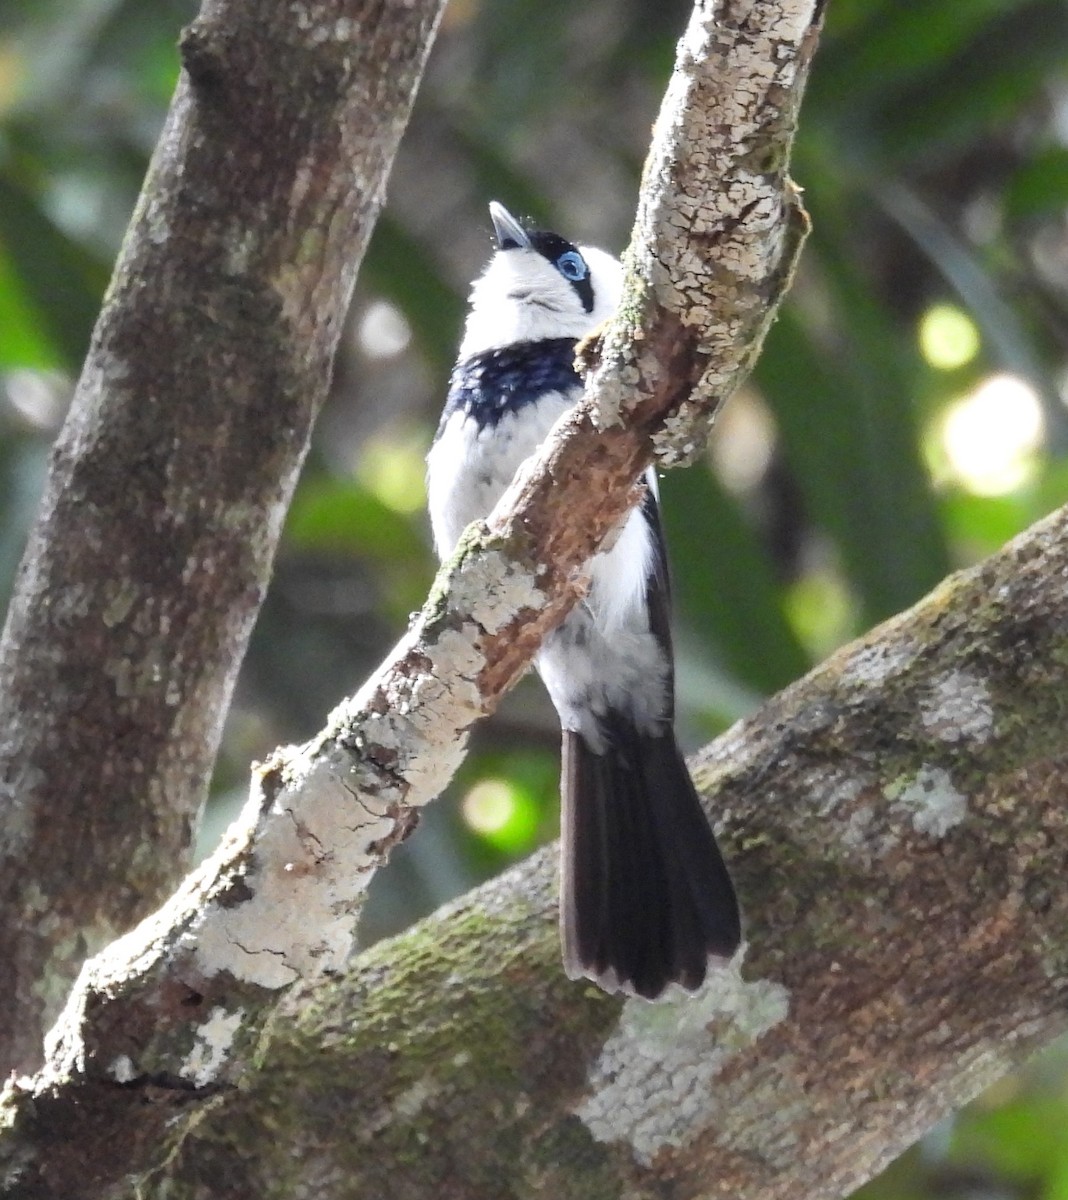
538, 285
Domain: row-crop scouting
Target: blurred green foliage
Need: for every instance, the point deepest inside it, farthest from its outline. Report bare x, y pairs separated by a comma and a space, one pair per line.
906, 417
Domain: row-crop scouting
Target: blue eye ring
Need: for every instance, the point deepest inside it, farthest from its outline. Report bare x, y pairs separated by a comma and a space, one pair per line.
572, 266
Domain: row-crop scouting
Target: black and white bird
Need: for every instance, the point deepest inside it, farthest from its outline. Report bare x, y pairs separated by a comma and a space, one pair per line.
645, 897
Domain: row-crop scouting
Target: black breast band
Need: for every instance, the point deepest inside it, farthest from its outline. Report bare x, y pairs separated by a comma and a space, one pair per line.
486, 386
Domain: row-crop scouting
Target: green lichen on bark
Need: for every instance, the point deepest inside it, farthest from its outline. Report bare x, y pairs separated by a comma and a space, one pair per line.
399, 1090
457, 595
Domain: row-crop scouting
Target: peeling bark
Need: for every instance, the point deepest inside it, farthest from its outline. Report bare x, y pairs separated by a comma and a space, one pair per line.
174, 1015
171, 477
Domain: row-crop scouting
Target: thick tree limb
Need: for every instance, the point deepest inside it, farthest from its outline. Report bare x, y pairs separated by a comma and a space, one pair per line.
175, 1011
897, 829
170, 480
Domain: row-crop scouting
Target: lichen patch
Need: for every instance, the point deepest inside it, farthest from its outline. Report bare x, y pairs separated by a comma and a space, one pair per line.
213, 1041
873, 664
121, 1069
958, 708
494, 590
310, 866
654, 1082
931, 801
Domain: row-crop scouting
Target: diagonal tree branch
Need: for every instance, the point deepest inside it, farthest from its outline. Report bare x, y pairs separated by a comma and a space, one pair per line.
173, 472
896, 826
177, 1009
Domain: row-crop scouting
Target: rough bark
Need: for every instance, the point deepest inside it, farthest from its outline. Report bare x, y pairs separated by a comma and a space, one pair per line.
172, 474
897, 830
173, 1015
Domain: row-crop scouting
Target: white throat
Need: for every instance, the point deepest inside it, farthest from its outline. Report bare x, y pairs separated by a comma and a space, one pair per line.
521, 297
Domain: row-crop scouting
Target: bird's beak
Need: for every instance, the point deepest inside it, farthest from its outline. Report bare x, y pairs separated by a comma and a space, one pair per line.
510, 234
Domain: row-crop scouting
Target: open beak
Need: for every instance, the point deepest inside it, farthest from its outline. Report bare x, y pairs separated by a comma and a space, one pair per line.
510, 234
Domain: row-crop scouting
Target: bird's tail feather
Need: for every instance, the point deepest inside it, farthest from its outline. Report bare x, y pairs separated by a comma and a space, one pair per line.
645, 896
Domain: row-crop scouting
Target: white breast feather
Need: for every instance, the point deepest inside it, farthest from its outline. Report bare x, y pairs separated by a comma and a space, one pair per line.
468, 469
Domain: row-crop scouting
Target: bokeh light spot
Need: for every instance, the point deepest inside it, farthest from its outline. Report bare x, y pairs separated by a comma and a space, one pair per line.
822, 610
501, 813
949, 338
991, 436
393, 468
383, 330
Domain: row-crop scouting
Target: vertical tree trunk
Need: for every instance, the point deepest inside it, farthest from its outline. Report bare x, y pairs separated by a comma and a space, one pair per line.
169, 482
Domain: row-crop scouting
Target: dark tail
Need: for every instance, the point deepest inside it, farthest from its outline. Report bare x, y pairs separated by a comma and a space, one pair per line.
645, 896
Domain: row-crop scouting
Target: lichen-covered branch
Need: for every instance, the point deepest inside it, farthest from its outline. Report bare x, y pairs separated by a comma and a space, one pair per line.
896, 826
170, 480
175, 1011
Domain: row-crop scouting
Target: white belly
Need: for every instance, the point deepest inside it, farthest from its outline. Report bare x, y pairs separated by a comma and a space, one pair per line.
468, 468
604, 655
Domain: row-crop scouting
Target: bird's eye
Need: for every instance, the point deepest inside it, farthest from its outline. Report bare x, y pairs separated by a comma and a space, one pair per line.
572, 266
